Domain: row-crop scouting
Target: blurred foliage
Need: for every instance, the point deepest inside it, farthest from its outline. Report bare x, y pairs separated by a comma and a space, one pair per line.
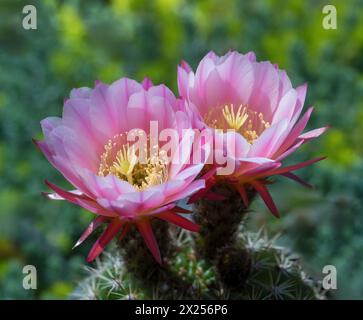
78, 42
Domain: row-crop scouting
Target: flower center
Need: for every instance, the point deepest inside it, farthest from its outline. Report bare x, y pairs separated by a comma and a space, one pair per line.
121, 160
235, 121
248, 123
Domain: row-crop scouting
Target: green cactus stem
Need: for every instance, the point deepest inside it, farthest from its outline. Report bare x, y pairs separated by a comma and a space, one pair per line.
219, 220
274, 273
140, 263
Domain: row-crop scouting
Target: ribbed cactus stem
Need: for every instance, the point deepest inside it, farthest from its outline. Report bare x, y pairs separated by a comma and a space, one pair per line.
140, 263
251, 268
219, 220
139, 260
233, 266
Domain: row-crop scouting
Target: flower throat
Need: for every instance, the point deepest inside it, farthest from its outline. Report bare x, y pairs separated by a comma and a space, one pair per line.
121, 160
250, 124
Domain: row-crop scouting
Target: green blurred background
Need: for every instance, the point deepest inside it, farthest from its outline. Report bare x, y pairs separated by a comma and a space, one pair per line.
78, 42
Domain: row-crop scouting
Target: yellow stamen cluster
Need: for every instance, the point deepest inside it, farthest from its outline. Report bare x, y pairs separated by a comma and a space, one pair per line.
124, 164
247, 122
235, 121
254, 128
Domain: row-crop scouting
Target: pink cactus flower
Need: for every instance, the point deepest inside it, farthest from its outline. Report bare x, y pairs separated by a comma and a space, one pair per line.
257, 101
88, 146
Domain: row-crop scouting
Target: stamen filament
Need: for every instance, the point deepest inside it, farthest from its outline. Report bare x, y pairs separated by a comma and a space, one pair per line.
121, 160
249, 123
235, 121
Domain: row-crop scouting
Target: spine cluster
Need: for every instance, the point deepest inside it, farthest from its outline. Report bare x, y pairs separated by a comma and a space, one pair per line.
223, 261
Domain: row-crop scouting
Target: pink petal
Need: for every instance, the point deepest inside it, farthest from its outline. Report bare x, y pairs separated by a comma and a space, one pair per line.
284, 87
307, 136
161, 111
80, 153
124, 207
227, 70
205, 66
252, 166
266, 88
153, 197
146, 83
269, 141
186, 66
251, 56
82, 201
173, 186
164, 92
286, 107
43, 147
242, 80
182, 154
295, 132
167, 207
108, 187
289, 151
53, 149
136, 112
215, 90
83, 93
76, 115
50, 123
188, 191
103, 114
301, 94
237, 145
190, 173
182, 82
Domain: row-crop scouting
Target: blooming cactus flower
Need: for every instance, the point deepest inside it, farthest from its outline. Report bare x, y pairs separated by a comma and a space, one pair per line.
89, 146
257, 102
